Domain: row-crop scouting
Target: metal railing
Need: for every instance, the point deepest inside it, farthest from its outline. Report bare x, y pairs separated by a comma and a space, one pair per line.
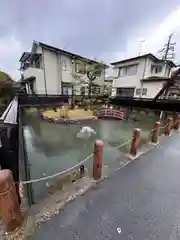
41, 99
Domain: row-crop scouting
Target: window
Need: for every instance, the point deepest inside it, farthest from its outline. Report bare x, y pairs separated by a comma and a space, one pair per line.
64, 65
156, 69
95, 90
121, 72
125, 92
38, 63
67, 89
144, 91
115, 72
138, 91
128, 71
80, 68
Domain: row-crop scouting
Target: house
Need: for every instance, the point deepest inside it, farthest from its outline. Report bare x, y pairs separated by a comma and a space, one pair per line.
141, 76
50, 70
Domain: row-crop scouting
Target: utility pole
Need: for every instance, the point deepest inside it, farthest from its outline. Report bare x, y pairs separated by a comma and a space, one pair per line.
166, 50
168, 47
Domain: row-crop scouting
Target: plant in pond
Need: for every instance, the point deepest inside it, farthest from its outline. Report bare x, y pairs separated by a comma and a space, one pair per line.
107, 88
63, 112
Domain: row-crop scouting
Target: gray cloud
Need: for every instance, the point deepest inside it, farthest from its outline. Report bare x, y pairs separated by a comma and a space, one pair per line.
88, 27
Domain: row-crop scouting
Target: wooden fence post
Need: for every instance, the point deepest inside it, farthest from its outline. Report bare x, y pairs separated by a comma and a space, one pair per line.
135, 142
98, 158
155, 133
168, 128
177, 123
10, 207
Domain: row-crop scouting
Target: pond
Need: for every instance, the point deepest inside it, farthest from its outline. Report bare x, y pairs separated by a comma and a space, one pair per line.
52, 148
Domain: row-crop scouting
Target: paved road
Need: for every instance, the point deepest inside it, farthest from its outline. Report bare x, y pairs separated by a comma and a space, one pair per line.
142, 199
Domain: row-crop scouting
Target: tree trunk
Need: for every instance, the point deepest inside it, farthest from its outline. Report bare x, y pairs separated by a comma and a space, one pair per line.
73, 98
89, 90
89, 93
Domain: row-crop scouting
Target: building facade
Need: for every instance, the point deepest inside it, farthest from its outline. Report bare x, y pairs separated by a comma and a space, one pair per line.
57, 71
141, 76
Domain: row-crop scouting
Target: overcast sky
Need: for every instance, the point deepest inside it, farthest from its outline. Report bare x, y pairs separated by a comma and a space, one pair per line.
105, 29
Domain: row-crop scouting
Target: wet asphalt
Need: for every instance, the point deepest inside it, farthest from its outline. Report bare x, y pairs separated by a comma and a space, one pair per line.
139, 202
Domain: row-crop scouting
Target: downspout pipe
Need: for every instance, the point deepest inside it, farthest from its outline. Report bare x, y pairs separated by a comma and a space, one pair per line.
144, 72
59, 74
45, 82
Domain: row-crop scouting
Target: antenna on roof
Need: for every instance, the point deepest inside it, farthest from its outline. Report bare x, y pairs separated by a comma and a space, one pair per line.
140, 46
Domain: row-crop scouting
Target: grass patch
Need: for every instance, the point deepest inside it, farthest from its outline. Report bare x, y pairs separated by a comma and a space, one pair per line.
68, 113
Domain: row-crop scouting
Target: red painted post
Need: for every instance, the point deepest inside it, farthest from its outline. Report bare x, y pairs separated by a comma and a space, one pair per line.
135, 142
168, 128
177, 123
98, 158
9, 205
155, 133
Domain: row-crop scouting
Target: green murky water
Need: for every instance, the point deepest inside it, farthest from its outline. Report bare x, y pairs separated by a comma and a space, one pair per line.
54, 147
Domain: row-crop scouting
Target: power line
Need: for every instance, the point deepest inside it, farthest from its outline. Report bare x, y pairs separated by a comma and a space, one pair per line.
168, 51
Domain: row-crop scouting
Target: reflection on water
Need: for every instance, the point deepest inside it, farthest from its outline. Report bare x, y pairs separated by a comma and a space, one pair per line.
54, 147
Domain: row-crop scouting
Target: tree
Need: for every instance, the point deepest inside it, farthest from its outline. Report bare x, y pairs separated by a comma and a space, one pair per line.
5, 82
8, 88
107, 90
92, 71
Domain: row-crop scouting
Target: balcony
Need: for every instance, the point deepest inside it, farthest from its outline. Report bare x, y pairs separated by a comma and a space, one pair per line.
38, 73
33, 72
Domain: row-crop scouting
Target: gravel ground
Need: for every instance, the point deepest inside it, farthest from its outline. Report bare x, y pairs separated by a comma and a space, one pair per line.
47, 208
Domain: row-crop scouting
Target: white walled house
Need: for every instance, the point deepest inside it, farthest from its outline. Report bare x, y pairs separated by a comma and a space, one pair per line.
141, 76
54, 70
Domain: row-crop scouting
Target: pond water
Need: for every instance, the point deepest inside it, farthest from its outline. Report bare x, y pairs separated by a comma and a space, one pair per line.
52, 148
